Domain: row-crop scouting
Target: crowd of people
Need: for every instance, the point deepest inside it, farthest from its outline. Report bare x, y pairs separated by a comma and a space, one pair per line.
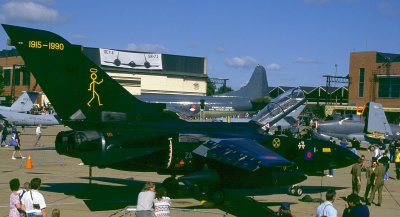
28, 201
149, 197
15, 138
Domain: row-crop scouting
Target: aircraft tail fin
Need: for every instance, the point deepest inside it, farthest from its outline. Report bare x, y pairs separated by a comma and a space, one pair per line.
376, 121
78, 89
256, 88
24, 103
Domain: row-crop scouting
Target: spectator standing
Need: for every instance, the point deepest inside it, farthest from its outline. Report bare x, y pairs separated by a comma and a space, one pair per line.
14, 198
33, 201
356, 177
370, 177
162, 203
385, 161
326, 208
15, 139
377, 152
354, 208
377, 185
145, 200
355, 143
4, 135
397, 163
38, 135
392, 150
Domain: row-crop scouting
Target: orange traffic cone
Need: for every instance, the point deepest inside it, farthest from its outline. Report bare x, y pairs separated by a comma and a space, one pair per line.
28, 163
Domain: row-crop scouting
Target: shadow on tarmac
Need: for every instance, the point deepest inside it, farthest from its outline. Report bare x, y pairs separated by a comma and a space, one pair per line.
101, 196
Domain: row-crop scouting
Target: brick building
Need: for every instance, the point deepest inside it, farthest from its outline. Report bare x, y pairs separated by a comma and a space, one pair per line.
374, 76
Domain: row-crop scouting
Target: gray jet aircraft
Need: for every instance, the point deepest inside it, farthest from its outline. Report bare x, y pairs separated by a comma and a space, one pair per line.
369, 129
23, 104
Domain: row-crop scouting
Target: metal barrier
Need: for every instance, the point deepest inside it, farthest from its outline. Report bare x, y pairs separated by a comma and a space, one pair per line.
130, 211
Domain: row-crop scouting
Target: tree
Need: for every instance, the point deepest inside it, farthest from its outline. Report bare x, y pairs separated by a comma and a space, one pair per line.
210, 87
224, 89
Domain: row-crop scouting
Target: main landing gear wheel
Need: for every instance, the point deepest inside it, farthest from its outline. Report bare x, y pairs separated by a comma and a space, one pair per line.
295, 190
171, 185
218, 196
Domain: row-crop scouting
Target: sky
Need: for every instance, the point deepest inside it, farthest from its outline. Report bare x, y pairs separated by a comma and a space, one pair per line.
297, 41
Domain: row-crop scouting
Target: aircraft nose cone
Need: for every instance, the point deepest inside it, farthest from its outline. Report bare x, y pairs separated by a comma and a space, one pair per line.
347, 157
288, 178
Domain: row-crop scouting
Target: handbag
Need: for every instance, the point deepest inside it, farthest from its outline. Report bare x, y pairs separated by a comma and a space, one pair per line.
12, 142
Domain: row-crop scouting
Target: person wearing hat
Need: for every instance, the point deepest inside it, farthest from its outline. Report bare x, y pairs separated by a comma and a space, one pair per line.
284, 210
326, 208
354, 208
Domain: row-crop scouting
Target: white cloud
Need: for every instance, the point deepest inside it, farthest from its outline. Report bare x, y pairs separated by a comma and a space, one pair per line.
302, 60
220, 49
156, 48
389, 8
28, 11
241, 62
273, 67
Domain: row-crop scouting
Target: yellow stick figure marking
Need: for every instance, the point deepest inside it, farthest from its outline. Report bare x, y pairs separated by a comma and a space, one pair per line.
92, 86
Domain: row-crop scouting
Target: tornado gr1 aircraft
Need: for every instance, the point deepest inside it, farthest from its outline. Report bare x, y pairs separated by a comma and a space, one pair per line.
112, 128
217, 105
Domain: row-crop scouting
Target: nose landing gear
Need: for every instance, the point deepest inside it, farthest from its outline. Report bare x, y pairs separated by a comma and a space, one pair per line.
295, 190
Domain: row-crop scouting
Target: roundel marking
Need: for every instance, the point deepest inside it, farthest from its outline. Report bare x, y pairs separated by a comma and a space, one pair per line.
276, 142
309, 154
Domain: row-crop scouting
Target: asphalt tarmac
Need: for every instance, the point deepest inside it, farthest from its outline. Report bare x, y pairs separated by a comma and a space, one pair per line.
66, 187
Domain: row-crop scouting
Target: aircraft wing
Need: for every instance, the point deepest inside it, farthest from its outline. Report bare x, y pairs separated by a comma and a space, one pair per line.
242, 153
377, 121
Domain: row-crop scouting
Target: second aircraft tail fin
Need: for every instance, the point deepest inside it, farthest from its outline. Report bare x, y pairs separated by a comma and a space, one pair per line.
256, 88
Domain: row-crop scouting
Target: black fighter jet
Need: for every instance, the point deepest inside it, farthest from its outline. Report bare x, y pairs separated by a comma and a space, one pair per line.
112, 128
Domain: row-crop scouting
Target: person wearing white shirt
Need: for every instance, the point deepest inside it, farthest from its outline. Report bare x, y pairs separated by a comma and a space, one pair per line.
33, 201
38, 134
326, 208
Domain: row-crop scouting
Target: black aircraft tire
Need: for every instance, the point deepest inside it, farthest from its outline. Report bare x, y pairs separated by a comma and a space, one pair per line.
292, 190
218, 196
289, 191
172, 186
299, 191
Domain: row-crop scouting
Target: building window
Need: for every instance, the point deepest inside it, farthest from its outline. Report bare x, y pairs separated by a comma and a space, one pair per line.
17, 77
388, 87
26, 78
7, 76
361, 83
